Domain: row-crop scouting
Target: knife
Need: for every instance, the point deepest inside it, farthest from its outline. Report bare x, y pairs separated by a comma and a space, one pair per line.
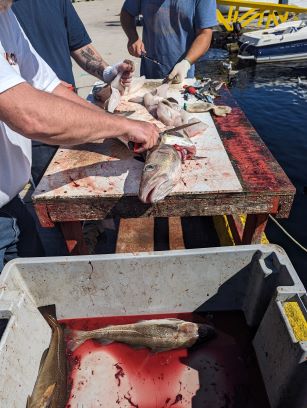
134, 146
144, 55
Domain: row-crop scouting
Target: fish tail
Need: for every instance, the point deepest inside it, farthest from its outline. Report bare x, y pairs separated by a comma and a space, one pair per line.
75, 338
52, 321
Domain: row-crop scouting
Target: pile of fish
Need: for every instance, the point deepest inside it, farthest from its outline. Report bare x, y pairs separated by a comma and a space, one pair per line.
51, 391
158, 334
163, 163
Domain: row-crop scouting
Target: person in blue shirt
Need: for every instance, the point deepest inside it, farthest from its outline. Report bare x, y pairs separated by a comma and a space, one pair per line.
175, 32
57, 34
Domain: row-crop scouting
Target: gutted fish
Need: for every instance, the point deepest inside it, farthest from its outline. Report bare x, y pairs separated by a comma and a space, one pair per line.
50, 390
195, 130
136, 85
168, 115
218, 110
157, 335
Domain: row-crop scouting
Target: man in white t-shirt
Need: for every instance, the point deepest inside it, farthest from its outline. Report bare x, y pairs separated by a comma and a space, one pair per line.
34, 103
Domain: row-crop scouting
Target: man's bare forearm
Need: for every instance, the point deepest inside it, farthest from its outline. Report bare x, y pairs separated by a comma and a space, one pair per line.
63, 92
200, 45
129, 25
90, 60
54, 120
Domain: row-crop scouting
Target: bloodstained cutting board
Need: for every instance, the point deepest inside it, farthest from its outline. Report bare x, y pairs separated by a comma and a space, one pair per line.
108, 169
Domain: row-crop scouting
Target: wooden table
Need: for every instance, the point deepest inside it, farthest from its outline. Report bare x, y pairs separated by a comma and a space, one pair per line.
265, 189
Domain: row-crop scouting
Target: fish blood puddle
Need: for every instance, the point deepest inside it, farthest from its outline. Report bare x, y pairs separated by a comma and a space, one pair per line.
220, 373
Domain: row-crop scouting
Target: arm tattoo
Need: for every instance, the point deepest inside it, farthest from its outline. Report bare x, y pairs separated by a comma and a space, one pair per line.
91, 62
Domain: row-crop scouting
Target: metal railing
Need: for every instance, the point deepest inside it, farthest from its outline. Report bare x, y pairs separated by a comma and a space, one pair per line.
262, 14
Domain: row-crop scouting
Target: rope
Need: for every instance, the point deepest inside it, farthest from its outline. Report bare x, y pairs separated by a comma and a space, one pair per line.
287, 233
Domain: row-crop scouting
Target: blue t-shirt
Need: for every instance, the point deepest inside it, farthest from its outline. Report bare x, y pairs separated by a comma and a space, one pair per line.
54, 29
169, 30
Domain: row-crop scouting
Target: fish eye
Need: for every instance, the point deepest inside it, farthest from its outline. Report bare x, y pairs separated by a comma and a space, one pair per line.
150, 167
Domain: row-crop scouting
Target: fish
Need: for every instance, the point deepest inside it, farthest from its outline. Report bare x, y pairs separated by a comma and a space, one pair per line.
136, 85
218, 110
108, 96
158, 335
50, 389
163, 166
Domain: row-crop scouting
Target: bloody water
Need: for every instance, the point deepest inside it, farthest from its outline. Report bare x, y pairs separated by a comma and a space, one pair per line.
221, 373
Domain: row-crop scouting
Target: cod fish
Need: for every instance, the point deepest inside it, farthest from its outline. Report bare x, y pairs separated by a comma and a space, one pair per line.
50, 390
157, 335
163, 166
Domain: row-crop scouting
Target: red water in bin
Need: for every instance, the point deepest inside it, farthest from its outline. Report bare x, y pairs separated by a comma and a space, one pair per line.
221, 373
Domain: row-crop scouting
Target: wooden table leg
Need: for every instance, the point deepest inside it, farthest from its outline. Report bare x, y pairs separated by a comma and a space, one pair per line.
176, 240
135, 235
254, 227
72, 232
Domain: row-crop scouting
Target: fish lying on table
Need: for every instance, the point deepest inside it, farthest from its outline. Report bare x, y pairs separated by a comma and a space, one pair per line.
50, 389
166, 110
163, 166
158, 334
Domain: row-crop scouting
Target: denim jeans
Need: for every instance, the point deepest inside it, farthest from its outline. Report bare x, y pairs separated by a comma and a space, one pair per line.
18, 234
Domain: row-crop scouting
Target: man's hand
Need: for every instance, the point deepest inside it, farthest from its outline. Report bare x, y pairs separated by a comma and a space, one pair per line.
180, 71
136, 48
126, 68
142, 133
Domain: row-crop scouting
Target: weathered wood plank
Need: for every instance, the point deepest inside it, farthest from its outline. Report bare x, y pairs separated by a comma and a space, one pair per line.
130, 207
135, 235
176, 240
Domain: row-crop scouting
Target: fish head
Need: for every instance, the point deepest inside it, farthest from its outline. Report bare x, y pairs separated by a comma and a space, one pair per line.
161, 173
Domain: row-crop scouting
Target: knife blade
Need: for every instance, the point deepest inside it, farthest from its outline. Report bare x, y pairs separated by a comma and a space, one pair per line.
177, 128
144, 55
134, 146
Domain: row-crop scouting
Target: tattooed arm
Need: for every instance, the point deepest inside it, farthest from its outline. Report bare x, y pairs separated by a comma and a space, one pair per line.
91, 61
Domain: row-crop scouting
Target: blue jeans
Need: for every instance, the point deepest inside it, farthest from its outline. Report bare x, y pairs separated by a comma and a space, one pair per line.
18, 234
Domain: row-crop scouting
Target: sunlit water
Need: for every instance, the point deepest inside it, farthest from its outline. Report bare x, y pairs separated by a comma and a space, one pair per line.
276, 104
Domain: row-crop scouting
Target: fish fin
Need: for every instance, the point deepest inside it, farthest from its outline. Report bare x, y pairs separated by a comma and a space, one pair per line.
74, 338
160, 350
44, 355
47, 397
28, 402
104, 341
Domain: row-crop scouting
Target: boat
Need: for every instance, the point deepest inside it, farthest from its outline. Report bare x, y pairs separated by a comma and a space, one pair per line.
285, 42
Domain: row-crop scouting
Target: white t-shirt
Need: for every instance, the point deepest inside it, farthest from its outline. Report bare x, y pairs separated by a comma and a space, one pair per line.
19, 63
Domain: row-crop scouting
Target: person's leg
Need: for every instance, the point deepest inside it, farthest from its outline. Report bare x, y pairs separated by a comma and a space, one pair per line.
9, 233
29, 243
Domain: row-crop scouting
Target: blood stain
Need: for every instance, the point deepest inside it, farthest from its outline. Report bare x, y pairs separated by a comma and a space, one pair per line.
119, 374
